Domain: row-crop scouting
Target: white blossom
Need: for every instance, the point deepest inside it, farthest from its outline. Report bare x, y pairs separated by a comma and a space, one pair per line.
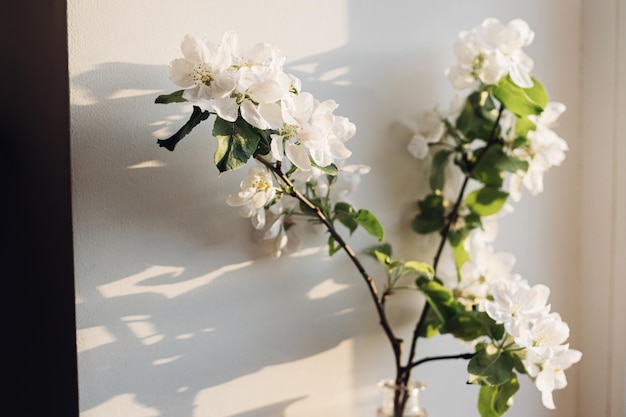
427, 129
316, 135
257, 190
345, 183
490, 51
545, 149
544, 336
515, 303
277, 233
549, 374
205, 71
484, 269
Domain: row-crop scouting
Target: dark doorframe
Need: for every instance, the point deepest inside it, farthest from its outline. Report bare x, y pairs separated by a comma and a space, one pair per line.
36, 261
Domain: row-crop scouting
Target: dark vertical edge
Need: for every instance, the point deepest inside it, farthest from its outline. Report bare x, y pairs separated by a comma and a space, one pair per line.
36, 263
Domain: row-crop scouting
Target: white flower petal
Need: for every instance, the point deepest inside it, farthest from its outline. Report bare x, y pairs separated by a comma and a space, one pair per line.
226, 108
195, 50
180, 71
418, 147
251, 115
267, 92
277, 147
298, 156
272, 114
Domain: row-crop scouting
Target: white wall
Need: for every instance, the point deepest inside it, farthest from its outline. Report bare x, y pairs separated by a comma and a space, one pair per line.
603, 192
178, 313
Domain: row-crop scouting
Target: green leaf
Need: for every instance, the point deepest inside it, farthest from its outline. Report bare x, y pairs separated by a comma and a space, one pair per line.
494, 330
384, 249
431, 217
493, 401
264, 147
486, 169
492, 161
522, 126
328, 170
197, 116
333, 246
470, 325
538, 93
175, 97
236, 143
438, 169
431, 324
486, 201
350, 218
439, 297
466, 325
490, 368
345, 214
423, 269
370, 223
518, 100
477, 117
456, 239
472, 221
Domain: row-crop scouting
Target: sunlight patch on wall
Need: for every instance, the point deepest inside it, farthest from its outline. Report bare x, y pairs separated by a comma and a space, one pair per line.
121, 405
147, 164
164, 361
308, 252
141, 283
337, 76
325, 289
93, 337
143, 329
82, 96
309, 387
132, 92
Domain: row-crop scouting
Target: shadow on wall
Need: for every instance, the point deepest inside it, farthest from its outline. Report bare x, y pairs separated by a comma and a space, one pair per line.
156, 320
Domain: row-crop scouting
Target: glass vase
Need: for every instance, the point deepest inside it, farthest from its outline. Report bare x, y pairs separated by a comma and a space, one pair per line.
413, 407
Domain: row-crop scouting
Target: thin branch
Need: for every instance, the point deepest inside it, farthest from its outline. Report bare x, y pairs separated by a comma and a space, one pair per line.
443, 357
396, 343
452, 218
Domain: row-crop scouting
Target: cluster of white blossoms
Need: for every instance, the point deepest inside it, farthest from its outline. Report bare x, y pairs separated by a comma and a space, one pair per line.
484, 280
542, 334
488, 132
304, 132
253, 84
544, 150
490, 51
486, 54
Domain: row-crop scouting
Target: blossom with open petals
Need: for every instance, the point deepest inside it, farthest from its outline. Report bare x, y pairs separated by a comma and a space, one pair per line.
484, 269
549, 374
490, 51
276, 235
515, 302
509, 40
427, 129
205, 71
544, 336
545, 149
326, 135
314, 136
287, 141
257, 83
257, 190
